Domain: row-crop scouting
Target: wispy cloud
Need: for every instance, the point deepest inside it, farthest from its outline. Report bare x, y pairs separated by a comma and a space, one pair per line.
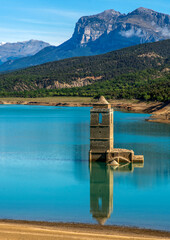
131, 33
35, 32
54, 11
164, 31
62, 12
11, 30
40, 22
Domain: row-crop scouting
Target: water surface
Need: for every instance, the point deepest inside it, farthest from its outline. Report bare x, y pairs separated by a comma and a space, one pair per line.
45, 173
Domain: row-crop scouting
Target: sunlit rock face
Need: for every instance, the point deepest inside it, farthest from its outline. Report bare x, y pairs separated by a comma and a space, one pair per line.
101, 33
90, 28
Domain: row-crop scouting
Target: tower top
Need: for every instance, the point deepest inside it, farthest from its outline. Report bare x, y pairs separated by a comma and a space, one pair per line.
102, 100
102, 103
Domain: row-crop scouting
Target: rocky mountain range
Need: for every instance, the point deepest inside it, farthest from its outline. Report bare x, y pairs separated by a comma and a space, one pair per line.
101, 33
11, 51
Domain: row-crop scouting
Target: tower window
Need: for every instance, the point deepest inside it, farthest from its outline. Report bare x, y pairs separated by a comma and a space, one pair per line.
100, 118
100, 203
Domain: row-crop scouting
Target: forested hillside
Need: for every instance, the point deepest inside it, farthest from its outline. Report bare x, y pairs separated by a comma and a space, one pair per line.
136, 72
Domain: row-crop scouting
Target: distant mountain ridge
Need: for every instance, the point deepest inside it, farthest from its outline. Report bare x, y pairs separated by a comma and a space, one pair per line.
11, 51
102, 33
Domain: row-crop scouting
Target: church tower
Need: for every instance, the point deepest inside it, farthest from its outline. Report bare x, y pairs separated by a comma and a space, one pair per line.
101, 130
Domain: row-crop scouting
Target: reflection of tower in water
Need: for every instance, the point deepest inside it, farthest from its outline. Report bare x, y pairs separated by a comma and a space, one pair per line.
101, 188
101, 191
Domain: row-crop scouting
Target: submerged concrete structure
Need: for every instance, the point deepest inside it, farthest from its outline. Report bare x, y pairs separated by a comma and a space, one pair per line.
102, 140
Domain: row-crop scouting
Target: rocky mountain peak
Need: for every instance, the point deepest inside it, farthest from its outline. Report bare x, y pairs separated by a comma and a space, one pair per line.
90, 28
10, 51
107, 14
141, 12
144, 10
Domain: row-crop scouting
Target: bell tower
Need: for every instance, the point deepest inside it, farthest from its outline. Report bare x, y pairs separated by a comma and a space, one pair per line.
101, 130
101, 137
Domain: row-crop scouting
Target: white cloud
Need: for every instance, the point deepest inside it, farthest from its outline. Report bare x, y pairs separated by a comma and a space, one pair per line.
165, 32
62, 13
11, 30
54, 11
35, 21
131, 33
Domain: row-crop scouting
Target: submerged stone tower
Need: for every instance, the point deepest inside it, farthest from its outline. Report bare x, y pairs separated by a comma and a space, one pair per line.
101, 137
101, 130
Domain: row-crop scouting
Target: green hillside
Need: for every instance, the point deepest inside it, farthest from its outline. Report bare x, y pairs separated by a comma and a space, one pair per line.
141, 72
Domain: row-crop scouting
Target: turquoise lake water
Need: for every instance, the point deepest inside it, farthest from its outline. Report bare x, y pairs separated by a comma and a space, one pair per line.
45, 173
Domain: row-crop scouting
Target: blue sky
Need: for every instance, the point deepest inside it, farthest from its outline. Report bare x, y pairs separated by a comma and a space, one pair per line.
53, 21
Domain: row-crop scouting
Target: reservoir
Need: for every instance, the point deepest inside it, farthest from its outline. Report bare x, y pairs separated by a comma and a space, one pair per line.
45, 174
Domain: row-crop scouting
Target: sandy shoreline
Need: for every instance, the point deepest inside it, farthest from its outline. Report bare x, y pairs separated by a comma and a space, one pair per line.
160, 112
13, 229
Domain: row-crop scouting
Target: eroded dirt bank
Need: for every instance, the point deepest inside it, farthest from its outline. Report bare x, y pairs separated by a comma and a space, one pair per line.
16, 230
160, 112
